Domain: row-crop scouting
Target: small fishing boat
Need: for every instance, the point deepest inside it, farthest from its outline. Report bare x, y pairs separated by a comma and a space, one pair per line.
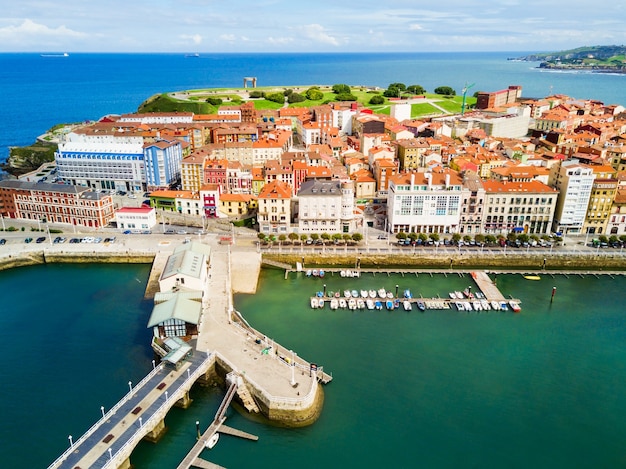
382, 293
452, 295
342, 273
532, 277
372, 293
319, 294
364, 294
309, 272
407, 305
485, 304
360, 303
334, 303
316, 273
421, 306
495, 305
407, 293
390, 295
468, 306
354, 293
343, 303
347, 294
322, 273
321, 302
352, 304
315, 303
389, 304
477, 305
504, 306
378, 305
459, 295
459, 305
337, 294
370, 303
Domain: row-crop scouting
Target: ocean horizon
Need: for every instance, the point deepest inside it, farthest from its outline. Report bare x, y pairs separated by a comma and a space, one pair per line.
41, 92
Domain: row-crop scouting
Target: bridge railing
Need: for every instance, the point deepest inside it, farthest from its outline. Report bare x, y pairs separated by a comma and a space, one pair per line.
153, 419
105, 417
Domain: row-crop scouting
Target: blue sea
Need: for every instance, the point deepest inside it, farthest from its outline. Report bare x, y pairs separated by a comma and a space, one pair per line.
39, 92
545, 388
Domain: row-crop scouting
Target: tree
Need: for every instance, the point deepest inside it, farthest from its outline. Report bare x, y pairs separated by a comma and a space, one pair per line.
287, 92
341, 88
423, 237
256, 94
214, 101
314, 94
336, 237
415, 89
346, 237
456, 237
345, 97
479, 238
315, 236
357, 237
261, 236
467, 239
282, 238
399, 86
293, 236
412, 236
296, 98
276, 97
490, 239
304, 237
377, 99
401, 235
445, 90
434, 236
325, 236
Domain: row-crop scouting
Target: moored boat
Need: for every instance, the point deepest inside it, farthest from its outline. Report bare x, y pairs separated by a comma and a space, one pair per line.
514, 306
334, 303
370, 303
407, 293
389, 304
372, 293
321, 303
343, 303
378, 305
421, 306
315, 303
211, 442
459, 305
495, 305
364, 294
407, 305
382, 293
504, 306
351, 303
354, 293
452, 295
360, 303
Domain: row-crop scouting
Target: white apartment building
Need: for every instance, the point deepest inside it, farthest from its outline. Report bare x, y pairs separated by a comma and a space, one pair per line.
425, 202
574, 181
326, 207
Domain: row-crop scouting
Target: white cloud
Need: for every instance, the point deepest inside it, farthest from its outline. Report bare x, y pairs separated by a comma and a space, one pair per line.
195, 38
29, 29
280, 40
317, 33
415, 27
228, 37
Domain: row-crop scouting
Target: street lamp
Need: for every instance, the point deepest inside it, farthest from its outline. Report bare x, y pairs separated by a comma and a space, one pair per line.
102, 410
293, 377
110, 454
71, 441
130, 386
140, 423
153, 364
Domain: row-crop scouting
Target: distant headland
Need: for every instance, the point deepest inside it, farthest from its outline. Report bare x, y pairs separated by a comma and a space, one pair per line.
601, 59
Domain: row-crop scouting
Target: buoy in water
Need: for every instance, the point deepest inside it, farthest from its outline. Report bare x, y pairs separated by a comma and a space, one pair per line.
212, 441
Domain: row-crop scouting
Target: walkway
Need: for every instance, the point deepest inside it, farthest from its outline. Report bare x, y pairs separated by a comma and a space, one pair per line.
111, 440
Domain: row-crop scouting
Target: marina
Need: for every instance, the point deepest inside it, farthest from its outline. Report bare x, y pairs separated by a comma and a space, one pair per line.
486, 297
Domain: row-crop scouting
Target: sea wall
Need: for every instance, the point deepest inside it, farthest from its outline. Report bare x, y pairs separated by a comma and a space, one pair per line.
533, 261
26, 258
285, 411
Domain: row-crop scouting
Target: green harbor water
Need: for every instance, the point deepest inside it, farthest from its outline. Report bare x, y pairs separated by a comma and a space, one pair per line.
441, 389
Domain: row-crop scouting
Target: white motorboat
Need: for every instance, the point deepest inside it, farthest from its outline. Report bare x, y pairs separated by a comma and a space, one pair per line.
407, 305
343, 303
459, 305
370, 303
211, 442
334, 303
495, 305
351, 303
315, 303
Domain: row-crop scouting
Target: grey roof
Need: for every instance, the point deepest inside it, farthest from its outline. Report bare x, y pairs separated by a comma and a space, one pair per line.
176, 308
82, 191
161, 297
316, 188
195, 247
189, 263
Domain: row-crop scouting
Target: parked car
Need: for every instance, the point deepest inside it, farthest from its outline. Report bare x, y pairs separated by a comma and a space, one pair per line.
40, 240
3, 241
126, 232
28, 240
181, 232
170, 232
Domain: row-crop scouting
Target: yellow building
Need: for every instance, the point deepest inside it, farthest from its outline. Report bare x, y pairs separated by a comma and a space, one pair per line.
601, 199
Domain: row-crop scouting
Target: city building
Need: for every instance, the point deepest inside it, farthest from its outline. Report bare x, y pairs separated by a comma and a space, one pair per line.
326, 207
56, 203
136, 218
162, 163
274, 215
518, 207
603, 192
427, 202
574, 182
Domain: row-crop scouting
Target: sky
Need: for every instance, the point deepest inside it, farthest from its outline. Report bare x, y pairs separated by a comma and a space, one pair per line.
309, 26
